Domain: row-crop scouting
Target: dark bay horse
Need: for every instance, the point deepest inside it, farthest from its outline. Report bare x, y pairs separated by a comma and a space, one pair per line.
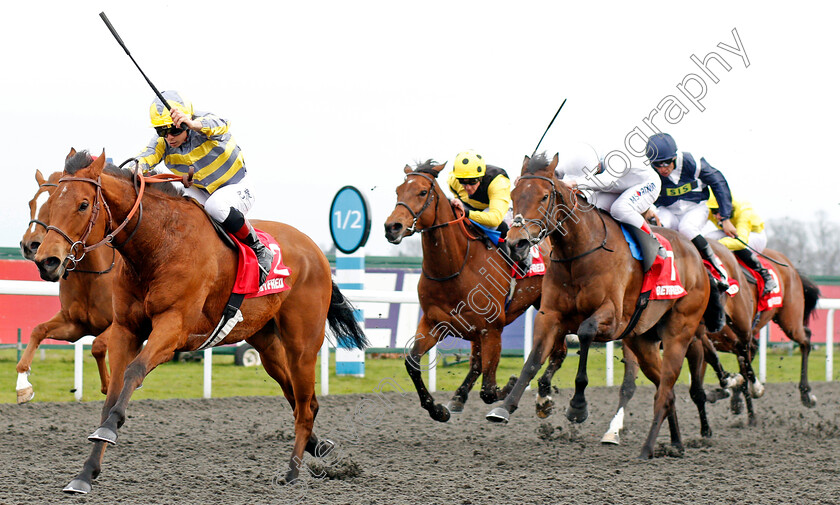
591, 288
84, 293
463, 289
171, 294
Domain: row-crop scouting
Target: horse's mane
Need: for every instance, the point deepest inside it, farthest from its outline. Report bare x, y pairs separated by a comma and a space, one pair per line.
83, 159
537, 164
427, 166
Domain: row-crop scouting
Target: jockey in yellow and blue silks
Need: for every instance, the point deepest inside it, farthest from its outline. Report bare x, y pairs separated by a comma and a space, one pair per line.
681, 205
750, 229
201, 142
482, 191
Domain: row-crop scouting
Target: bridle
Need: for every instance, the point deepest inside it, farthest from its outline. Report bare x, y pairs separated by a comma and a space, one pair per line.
416, 216
543, 224
108, 239
35, 220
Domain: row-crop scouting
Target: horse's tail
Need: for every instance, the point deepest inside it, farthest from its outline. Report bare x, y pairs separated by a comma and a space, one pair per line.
342, 320
812, 295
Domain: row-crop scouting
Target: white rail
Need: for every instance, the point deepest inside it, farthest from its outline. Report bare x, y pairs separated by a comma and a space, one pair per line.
37, 288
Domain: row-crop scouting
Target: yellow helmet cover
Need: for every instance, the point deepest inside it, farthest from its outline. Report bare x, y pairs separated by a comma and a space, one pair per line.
469, 165
160, 114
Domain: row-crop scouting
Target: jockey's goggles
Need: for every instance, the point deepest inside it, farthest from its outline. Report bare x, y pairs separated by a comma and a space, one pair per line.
163, 131
469, 182
661, 163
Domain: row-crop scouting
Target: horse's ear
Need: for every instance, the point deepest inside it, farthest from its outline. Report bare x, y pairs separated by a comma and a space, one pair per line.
407, 169
554, 161
39, 178
70, 154
97, 165
525, 163
437, 168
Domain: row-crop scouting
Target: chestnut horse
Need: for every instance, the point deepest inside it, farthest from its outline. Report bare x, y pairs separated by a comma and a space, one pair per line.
84, 293
591, 289
463, 289
171, 294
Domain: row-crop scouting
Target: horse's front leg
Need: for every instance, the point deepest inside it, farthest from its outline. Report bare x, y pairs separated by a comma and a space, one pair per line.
99, 350
601, 323
456, 404
491, 350
697, 367
547, 328
423, 341
124, 346
58, 328
166, 335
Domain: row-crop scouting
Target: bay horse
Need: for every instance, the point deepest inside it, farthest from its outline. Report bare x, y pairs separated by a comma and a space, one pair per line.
591, 288
84, 293
171, 294
464, 290
800, 296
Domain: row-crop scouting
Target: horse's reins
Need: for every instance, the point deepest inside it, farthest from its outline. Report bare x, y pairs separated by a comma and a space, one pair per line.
543, 225
416, 216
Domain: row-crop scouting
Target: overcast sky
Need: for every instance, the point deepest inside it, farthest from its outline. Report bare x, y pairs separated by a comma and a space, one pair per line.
326, 94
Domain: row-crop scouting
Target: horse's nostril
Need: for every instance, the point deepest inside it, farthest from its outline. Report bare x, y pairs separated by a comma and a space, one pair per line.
33, 247
51, 263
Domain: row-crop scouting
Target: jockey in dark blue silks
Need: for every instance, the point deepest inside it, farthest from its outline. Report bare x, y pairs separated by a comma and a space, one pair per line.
681, 205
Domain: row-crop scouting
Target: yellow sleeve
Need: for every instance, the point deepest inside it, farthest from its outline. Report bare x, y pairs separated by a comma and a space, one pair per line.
153, 154
499, 194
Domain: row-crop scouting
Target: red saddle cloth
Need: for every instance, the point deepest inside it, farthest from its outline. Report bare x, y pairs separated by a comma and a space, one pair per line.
663, 279
247, 271
734, 287
537, 265
774, 298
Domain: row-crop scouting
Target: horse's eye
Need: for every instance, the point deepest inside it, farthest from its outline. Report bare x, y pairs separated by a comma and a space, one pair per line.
544, 198
83, 206
424, 193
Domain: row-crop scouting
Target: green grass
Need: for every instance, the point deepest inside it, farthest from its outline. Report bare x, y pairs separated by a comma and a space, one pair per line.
53, 377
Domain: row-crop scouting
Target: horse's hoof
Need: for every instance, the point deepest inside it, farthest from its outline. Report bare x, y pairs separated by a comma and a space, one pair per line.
809, 400
577, 415
25, 395
323, 448
545, 407
103, 434
454, 406
77, 486
706, 433
717, 394
498, 415
611, 437
757, 389
440, 413
732, 381
736, 404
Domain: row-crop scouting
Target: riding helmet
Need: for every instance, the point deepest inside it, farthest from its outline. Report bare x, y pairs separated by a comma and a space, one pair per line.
660, 147
469, 165
160, 114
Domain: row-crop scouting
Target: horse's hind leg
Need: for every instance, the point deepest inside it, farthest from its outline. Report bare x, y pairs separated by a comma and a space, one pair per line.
791, 324
697, 367
456, 404
628, 389
99, 350
545, 403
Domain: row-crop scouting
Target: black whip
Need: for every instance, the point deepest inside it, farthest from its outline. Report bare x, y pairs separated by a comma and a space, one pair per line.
116, 36
760, 254
546, 130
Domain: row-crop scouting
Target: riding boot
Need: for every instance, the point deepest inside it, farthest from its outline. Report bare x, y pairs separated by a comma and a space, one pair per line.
749, 258
240, 228
648, 243
706, 252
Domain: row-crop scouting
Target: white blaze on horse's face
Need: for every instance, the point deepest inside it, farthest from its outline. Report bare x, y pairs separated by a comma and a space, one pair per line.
40, 200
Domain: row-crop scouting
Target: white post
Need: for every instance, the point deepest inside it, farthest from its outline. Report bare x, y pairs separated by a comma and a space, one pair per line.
433, 369
350, 274
829, 346
763, 337
325, 368
528, 344
609, 367
78, 376
208, 372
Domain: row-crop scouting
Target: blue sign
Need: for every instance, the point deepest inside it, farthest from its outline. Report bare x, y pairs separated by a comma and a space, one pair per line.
349, 220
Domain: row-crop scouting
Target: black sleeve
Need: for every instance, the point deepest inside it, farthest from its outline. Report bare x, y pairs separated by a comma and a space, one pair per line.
715, 180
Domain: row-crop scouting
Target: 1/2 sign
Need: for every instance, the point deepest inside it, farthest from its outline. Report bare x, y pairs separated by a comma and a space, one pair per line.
349, 220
